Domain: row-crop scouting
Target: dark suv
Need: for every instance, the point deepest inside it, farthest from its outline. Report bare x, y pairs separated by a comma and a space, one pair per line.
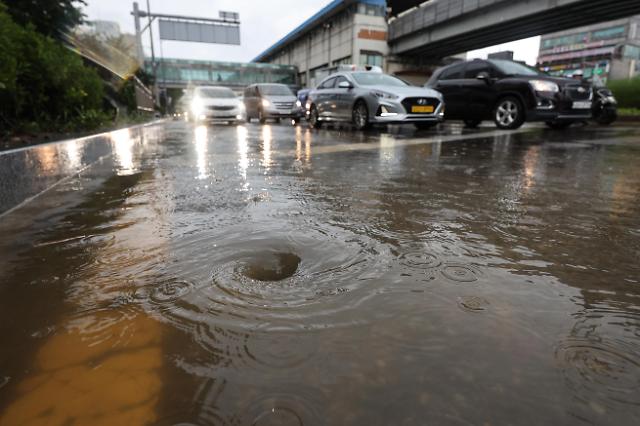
510, 94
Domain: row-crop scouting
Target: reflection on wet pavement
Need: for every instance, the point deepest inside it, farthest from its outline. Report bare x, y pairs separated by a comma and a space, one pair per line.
279, 275
79, 377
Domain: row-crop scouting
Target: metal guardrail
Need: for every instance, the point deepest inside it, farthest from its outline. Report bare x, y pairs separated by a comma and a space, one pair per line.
433, 13
144, 97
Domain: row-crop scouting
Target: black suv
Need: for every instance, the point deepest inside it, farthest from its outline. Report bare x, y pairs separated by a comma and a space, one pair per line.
510, 94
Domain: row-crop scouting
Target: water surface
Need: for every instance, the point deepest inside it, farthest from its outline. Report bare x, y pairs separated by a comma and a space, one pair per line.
276, 275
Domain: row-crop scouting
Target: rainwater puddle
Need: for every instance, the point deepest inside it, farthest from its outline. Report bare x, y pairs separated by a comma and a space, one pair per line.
274, 275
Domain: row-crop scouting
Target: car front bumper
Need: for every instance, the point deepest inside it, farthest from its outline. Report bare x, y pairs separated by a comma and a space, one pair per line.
236, 114
559, 115
272, 112
557, 108
394, 112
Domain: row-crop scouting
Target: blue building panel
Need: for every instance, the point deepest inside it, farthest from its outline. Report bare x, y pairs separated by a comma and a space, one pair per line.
325, 11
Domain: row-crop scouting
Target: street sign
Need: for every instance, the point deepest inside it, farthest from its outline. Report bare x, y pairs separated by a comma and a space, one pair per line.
199, 32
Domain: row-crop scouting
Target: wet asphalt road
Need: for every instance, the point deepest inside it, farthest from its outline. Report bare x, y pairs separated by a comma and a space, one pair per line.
180, 274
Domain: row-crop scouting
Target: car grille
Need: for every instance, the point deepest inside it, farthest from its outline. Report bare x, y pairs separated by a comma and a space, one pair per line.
407, 103
283, 105
576, 94
221, 108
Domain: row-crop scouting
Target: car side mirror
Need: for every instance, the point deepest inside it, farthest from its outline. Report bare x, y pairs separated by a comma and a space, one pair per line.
345, 85
484, 76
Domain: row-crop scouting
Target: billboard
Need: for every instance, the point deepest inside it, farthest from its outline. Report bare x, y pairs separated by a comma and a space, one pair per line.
199, 32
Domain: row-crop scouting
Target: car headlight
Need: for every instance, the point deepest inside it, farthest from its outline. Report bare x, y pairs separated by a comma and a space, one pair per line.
299, 104
544, 86
266, 103
197, 106
241, 106
383, 95
612, 99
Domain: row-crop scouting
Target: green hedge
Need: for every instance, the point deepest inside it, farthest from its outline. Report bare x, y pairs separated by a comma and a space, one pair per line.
44, 85
627, 92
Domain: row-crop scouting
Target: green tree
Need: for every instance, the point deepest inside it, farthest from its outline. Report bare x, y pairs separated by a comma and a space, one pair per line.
44, 82
52, 18
8, 64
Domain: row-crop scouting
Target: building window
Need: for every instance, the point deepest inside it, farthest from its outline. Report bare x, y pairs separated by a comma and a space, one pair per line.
629, 51
343, 61
191, 74
609, 33
371, 9
565, 41
371, 58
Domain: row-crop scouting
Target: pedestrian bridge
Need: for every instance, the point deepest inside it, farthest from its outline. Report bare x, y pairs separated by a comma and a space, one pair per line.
440, 28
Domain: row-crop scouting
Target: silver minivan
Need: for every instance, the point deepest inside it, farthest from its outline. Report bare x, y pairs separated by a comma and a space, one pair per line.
271, 101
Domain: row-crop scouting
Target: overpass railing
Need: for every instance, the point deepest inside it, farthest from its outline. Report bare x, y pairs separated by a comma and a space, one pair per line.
433, 13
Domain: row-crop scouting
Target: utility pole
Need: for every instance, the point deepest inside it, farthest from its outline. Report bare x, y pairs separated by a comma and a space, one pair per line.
154, 68
136, 20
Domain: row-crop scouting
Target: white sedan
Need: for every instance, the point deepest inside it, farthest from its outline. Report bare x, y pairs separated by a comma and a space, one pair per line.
216, 104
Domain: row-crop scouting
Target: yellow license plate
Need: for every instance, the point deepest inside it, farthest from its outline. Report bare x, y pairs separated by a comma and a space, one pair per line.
422, 109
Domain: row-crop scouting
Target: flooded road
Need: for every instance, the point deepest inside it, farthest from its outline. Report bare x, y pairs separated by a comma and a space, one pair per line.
275, 275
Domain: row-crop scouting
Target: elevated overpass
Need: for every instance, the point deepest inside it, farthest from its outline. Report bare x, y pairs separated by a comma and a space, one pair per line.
184, 73
440, 28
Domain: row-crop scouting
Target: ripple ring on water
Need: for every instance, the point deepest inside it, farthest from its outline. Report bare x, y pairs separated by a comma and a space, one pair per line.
460, 273
169, 291
281, 348
279, 416
420, 260
284, 409
600, 367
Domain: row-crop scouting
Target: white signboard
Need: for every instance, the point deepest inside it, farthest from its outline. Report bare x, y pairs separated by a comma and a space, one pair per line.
199, 32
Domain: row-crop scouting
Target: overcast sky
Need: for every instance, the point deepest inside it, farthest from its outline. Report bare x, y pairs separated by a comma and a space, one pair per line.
263, 23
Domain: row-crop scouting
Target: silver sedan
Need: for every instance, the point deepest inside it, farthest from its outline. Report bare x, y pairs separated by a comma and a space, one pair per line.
368, 97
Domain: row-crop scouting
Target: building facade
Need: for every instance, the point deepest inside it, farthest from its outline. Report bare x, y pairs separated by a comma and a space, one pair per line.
344, 32
610, 50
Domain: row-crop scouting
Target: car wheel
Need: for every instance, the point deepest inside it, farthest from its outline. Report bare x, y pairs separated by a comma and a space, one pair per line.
472, 124
558, 125
425, 126
509, 113
314, 120
360, 116
261, 117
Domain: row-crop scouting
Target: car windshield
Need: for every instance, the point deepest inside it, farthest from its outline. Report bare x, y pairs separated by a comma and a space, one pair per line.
513, 68
376, 79
276, 90
216, 92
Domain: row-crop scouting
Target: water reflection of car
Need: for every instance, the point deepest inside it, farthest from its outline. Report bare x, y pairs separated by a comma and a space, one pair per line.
216, 104
271, 101
369, 97
510, 93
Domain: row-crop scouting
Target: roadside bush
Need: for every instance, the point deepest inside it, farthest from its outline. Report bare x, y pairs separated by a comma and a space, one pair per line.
43, 82
127, 95
8, 61
627, 92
